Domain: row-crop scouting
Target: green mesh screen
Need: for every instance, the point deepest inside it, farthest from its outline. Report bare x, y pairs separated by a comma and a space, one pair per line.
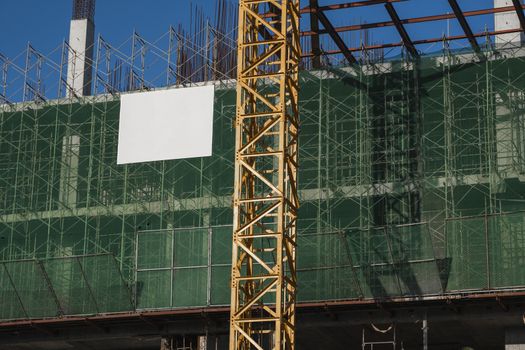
63, 286
192, 260
487, 252
29, 282
410, 184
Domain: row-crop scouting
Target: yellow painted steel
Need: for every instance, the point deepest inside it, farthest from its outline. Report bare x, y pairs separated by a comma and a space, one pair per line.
265, 191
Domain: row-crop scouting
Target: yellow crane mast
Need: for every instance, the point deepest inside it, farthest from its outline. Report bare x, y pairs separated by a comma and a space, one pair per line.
265, 200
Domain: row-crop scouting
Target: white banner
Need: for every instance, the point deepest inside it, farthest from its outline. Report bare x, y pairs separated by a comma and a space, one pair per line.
166, 124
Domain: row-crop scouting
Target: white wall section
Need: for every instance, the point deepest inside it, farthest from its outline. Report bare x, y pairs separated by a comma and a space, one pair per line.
80, 57
166, 124
507, 20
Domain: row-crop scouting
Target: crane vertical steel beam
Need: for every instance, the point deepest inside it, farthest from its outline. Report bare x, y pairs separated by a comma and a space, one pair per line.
348, 5
401, 30
265, 199
519, 11
336, 37
466, 28
314, 39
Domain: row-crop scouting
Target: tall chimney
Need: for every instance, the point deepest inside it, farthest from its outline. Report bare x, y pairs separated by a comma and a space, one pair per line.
81, 39
507, 20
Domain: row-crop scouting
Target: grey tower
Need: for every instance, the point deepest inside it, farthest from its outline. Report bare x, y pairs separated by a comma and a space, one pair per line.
81, 39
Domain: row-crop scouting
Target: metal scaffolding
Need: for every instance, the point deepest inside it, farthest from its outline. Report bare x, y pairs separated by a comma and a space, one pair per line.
411, 185
411, 178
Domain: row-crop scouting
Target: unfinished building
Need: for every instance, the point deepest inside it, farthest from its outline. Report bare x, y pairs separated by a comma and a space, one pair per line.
411, 230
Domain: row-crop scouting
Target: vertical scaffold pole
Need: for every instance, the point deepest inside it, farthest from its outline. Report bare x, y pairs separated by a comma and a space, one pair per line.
265, 190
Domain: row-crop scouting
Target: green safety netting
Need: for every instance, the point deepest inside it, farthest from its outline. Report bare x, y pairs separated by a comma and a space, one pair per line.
188, 262
487, 252
408, 171
62, 286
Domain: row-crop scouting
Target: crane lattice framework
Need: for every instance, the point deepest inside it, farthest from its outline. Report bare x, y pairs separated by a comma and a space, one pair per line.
265, 190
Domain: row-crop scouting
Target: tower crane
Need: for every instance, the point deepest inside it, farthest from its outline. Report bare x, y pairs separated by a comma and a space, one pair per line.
265, 200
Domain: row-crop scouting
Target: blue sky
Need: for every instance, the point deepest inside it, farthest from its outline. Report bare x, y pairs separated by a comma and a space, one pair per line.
45, 23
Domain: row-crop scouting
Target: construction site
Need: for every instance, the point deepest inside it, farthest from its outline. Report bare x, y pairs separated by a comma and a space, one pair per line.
360, 192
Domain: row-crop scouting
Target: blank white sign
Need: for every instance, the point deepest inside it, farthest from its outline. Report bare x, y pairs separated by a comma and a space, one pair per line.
166, 124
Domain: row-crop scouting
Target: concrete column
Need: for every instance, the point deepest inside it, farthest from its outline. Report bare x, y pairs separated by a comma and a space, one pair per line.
510, 141
425, 333
166, 343
80, 58
507, 20
202, 342
69, 171
515, 338
504, 139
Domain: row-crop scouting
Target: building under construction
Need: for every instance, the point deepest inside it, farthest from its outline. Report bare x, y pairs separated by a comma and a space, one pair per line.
411, 179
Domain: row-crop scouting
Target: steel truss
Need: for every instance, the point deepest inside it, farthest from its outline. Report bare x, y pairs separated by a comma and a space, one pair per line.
265, 188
